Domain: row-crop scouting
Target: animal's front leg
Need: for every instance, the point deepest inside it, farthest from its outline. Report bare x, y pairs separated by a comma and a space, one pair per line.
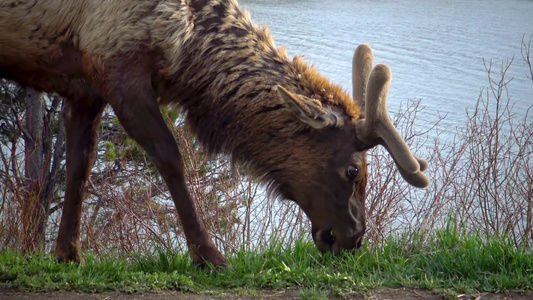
135, 105
82, 119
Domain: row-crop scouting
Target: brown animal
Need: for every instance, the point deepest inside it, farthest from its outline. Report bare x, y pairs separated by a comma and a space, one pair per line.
242, 96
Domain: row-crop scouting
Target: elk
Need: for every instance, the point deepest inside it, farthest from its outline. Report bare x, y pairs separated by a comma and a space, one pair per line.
305, 137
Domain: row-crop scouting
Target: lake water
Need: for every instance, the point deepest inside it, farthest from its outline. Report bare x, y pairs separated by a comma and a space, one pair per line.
435, 49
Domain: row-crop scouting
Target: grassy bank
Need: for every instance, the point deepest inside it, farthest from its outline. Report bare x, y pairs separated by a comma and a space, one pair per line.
449, 261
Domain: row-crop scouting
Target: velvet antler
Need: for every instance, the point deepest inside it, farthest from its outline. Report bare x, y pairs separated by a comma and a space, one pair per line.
370, 88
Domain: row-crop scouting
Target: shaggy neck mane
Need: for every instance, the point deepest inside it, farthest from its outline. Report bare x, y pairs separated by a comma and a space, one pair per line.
225, 83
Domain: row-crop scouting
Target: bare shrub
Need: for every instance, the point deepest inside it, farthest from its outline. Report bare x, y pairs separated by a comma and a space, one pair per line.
481, 175
129, 208
31, 153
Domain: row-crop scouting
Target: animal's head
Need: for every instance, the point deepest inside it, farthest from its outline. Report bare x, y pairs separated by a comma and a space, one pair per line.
331, 188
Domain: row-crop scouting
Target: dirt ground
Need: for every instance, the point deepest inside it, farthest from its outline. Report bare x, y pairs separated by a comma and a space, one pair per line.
381, 294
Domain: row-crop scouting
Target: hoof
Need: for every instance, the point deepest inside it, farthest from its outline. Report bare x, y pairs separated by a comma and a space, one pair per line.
70, 258
209, 259
208, 265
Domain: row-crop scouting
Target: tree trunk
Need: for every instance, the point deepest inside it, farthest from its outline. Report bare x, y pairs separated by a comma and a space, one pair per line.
34, 212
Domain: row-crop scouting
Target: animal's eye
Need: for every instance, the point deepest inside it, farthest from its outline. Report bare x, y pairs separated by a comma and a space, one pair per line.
352, 171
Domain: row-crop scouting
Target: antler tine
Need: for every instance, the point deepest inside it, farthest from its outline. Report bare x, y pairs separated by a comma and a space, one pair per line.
377, 128
363, 60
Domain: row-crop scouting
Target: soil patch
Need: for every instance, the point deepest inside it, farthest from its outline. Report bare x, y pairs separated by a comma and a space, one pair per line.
379, 294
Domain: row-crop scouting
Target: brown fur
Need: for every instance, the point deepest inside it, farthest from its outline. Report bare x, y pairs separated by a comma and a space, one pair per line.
207, 58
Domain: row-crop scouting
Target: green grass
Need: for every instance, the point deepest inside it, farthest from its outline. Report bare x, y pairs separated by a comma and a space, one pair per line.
449, 261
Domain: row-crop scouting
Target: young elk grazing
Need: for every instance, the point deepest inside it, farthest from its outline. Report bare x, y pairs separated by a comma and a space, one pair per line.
242, 96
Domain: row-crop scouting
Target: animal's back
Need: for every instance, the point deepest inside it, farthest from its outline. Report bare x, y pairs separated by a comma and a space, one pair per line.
70, 38
31, 26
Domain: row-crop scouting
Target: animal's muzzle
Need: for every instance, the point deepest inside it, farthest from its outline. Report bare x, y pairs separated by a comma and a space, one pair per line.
336, 240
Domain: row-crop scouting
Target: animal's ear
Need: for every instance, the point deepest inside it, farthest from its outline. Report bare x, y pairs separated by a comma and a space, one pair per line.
310, 111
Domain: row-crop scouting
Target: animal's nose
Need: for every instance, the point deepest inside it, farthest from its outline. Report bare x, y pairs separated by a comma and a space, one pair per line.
327, 237
324, 239
328, 240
